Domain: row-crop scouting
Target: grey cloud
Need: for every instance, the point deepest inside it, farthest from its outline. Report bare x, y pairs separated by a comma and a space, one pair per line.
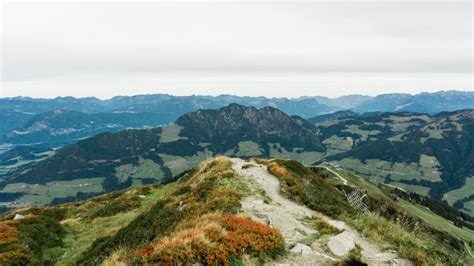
57, 40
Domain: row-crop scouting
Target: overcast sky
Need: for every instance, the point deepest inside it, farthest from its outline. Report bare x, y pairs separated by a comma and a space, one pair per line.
271, 49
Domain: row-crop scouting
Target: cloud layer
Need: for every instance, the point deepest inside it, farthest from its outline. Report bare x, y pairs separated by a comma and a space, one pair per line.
46, 42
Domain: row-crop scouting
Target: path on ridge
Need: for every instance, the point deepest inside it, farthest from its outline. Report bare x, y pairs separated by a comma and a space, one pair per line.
289, 217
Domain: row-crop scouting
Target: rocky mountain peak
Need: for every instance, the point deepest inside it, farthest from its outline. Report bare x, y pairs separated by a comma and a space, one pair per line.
265, 125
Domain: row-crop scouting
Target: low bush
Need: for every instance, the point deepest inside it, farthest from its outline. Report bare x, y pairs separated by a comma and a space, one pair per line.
158, 220
214, 239
23, 242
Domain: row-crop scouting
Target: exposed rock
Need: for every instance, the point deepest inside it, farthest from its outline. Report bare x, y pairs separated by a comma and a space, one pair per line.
181, 206
302, 249
342, 244
18, 217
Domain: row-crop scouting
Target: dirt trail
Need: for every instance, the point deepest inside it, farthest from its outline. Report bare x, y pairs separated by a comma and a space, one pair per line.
344, 181
289, 217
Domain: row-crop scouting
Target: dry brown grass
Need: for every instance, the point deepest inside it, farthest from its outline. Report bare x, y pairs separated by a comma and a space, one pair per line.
219, 166
118, 258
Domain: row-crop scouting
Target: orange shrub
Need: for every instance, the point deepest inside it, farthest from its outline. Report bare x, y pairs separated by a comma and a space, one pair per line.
278, 171
212, 239
8, 233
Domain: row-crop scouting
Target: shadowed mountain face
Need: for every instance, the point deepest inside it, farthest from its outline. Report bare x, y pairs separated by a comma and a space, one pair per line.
226, 127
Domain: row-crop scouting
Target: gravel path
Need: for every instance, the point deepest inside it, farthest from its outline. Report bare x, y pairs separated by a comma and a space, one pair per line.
289, 217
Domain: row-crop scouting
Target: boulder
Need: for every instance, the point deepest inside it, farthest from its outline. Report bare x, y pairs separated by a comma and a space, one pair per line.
18, 217
302, 250
342, 244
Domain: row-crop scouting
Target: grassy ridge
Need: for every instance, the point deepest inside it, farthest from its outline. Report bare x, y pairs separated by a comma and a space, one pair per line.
153, 224
388, 225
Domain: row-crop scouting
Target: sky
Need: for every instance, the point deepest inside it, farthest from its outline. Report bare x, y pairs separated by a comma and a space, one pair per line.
276, 49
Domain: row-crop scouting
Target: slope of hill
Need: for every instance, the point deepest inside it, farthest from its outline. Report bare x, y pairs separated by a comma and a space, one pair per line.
58, 127
112, 161
10, 120
431, 155
209, 215
331, 116
434, 157
431, 103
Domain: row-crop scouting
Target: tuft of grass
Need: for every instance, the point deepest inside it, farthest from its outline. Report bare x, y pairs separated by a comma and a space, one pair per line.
247, 165
324, 228
264, 195
310, 239
118, 258
354, 256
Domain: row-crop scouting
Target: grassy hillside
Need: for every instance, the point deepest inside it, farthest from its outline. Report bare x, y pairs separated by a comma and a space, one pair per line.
181, 221
412, 230
197, 217
441, 222
430, 155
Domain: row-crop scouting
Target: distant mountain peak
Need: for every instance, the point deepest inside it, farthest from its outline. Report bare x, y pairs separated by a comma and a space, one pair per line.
264, 125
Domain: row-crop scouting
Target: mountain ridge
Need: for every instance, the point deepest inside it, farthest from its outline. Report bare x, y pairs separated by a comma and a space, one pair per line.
363, 144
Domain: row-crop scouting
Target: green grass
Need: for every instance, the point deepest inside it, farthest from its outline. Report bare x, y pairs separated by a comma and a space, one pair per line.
310, 239
171, 133
248, 149
363, 133
146, 169
412, 245
44, 194
415, 188
377, 170
337, 144
469, 207
454, 195
178, 164
428, 216
437, 221
305, 157
80, 234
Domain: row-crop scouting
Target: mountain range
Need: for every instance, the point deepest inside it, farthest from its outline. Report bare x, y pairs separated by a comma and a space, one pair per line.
239, 184
429, 154
55, 122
